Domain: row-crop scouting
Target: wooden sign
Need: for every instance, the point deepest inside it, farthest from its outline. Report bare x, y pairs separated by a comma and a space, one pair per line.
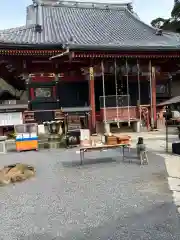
11, 118
91, 71
74, 122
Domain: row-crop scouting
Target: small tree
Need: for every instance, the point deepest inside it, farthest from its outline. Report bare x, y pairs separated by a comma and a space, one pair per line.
158, 22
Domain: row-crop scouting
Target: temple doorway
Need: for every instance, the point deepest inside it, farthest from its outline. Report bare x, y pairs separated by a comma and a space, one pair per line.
74, 94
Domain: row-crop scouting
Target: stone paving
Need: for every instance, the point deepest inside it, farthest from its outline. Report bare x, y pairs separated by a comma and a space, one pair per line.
103, 199
172, 163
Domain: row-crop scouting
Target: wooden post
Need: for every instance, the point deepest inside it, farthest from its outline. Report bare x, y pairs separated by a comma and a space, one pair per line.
106, 125
153, 86
151, 101
27, 80
139, 92
92, 100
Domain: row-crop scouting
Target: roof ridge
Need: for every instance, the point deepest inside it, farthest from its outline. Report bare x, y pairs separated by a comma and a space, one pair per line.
139, 20
95, 28
82, 4
165, 33
16, 29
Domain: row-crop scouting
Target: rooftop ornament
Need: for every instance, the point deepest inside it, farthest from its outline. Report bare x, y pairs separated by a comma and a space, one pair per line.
159, 32
35, 3
38, 28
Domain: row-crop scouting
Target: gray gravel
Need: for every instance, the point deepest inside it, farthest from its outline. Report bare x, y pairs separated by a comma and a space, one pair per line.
108, 200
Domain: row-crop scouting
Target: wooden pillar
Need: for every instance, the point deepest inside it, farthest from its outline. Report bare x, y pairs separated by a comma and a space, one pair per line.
152, 93
139, 91
92, 100
56, 90
27, 80
153, 86
1, 131
26, 77
170, 86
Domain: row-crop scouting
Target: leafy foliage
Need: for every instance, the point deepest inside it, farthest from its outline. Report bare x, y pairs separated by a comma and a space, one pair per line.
158, 22
171, 24
175, 14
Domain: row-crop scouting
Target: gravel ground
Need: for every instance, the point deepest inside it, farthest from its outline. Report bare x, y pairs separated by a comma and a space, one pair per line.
107, 199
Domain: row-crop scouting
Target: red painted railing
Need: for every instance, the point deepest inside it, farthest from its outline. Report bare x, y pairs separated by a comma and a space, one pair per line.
125, 114
121, 114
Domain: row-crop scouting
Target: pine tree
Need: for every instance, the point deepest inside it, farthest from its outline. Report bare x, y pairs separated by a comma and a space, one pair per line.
171, 24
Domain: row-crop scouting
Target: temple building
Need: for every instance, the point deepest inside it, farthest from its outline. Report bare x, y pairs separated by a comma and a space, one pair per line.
89, 59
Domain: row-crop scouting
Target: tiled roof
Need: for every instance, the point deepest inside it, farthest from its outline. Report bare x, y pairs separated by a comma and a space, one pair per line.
88, 26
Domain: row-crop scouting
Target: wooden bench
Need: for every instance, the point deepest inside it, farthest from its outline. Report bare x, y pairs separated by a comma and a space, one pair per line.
101, 148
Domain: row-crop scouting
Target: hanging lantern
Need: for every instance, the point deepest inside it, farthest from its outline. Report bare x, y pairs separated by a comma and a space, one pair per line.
111, 69
145, 70
125, 69
158, 70
134, 69
97, 71
85, 71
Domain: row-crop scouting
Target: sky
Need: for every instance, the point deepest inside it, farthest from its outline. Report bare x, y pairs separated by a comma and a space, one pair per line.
13, 12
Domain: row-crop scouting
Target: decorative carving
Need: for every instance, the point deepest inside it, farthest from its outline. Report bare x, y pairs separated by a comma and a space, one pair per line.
28, 117
43, 92
74, 122
42, 75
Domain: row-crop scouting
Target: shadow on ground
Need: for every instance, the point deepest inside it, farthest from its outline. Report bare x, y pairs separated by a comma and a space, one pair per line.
88, 162
98, 159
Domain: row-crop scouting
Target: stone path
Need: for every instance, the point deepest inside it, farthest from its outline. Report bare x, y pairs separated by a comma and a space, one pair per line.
173, 169
105, 199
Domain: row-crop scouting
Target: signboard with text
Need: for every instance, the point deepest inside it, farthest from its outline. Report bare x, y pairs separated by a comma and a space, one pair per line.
11, 118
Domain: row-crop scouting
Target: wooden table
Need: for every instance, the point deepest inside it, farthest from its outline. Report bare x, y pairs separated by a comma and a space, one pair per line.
101, 148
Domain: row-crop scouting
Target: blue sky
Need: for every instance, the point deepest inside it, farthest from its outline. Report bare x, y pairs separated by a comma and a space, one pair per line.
13, 12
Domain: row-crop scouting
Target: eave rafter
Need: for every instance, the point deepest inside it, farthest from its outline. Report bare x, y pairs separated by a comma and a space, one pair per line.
145, 55
14, 52
56, 54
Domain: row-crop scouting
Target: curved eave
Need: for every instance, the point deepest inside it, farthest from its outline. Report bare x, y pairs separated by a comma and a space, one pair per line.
122, 48
31, 46
88, 47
